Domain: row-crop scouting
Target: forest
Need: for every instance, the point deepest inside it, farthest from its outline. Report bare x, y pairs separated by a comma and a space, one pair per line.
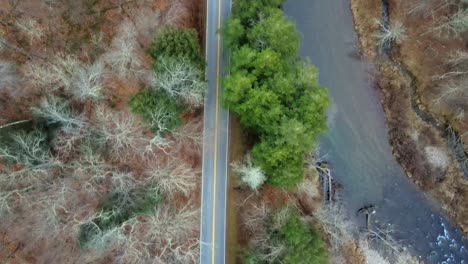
101, 132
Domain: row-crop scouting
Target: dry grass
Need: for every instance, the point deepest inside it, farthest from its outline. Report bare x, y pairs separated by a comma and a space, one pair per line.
365, 13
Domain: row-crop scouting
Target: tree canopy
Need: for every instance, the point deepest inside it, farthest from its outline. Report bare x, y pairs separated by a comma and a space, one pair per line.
172, 42
304, 245
274, 92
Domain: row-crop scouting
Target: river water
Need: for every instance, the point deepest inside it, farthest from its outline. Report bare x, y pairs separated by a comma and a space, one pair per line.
357, 141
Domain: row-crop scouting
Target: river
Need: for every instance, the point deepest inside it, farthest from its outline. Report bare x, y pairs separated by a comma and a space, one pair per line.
357, 141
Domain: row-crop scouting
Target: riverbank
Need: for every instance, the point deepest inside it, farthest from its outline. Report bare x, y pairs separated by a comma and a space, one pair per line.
405, 81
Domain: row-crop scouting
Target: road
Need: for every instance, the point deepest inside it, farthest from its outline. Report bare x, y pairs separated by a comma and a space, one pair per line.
216, 142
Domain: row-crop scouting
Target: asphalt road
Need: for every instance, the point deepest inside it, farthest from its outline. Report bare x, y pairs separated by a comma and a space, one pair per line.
216, 142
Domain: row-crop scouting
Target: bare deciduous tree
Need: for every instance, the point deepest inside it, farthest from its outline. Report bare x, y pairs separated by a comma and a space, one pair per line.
175, 232
255, 217
119, 132
333, 221
56, 111
393, 33
81, 80
54, 75
87, 82
8, 75
10, 196
157, 143
266, 224
420, 7
181, 80
29, 151
192, 130
373, 255
123, 56
177, 12
250, 175
31, 28
453, 25
174, 177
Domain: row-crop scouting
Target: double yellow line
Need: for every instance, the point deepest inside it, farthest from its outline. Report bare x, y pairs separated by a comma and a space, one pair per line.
218, 58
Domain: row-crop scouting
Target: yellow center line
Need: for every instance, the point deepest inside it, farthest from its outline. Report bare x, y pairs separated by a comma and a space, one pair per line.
213, 233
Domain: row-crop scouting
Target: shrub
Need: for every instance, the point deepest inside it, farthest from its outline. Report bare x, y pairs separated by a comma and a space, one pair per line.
172, 42
304, 245
158, 109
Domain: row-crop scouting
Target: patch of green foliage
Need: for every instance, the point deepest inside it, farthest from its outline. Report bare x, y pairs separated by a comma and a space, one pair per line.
245, 10
117, 209
249, 256
274, 92
145, 103
300, 244
304, 245
158, 106
173, 42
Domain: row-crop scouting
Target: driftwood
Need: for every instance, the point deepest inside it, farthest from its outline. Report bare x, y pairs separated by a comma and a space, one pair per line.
327, 182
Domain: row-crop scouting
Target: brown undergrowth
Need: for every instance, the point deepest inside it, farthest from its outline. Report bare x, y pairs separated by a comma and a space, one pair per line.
43, 226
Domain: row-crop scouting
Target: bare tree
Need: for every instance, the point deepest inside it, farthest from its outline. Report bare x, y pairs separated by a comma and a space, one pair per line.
81, 80
420, 7
119, 132
333, 221
30, 152
31, 28
177, 12
255, 217
189, 138
123, 56
249, 174
87, 81
181, 80
160, 119
54, 75
65, 142
267, 249
457, 64
174, 231
8, 75
393, 33
5, 44
373, 254
57, 111
192, 131
454, 25
174, 177
157, 143
147, 23
11, 197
